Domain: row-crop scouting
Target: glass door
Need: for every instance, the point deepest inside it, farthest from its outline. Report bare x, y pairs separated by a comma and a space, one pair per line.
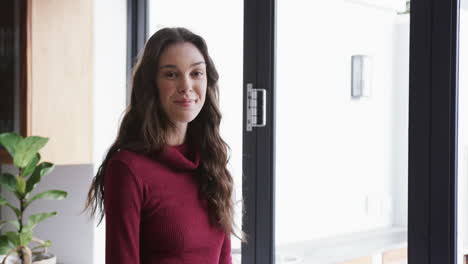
342, 107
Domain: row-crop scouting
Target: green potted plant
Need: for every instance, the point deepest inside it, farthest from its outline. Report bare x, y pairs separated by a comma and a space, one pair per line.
15, 245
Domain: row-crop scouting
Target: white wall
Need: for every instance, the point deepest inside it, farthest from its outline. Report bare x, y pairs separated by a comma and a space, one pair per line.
400, 114
110, 49
334, 152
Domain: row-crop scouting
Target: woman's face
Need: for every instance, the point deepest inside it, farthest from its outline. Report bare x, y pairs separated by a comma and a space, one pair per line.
182, 82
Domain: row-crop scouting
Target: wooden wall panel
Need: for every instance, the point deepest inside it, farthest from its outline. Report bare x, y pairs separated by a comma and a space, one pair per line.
61, 81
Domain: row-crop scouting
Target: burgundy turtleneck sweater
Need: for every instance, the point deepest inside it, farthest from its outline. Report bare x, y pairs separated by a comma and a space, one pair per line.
154, 214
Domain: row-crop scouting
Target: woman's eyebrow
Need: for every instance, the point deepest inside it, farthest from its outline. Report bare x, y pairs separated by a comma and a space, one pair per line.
173, 66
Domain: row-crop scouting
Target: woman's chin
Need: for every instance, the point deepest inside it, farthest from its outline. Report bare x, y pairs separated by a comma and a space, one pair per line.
185, 119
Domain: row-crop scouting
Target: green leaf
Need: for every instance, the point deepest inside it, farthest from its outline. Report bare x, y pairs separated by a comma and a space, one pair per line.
47, 243
16, 210
3, 201
13, 237
5, 245
10, 141
2, 222
25, 237
31, 166
20, 185
9, 181
35, 219
41, 170
50, 194
14, 223
27, 149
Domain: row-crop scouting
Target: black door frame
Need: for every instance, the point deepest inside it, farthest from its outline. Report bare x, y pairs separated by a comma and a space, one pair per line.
433, 124
137, 32
258, 185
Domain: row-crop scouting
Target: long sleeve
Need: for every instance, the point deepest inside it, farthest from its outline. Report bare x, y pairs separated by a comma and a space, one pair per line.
226, 257
123, 198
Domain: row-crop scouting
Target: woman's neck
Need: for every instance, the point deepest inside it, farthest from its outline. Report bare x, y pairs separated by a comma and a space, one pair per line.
176, 136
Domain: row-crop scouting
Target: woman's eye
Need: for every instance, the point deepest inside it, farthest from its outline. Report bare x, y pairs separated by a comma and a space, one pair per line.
198, 74
170, 74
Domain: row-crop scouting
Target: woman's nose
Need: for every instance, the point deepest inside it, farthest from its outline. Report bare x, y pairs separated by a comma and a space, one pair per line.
185, 85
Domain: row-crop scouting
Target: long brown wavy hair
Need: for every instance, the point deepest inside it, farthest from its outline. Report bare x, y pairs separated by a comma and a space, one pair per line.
145, 126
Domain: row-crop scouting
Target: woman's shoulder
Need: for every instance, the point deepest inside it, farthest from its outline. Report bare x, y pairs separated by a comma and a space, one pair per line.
142, 166
131, 159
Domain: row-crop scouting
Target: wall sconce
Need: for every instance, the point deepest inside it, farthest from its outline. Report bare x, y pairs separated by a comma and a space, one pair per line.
360, 76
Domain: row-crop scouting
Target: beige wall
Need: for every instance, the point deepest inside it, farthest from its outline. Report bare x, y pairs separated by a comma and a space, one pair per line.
60, 78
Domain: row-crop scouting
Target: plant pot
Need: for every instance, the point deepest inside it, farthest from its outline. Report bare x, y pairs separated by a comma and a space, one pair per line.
42, 258
10, 259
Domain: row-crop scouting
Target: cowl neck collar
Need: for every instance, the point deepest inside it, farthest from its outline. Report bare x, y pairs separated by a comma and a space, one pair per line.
181, 157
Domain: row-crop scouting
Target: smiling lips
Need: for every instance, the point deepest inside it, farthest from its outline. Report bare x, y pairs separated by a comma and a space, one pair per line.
185, 102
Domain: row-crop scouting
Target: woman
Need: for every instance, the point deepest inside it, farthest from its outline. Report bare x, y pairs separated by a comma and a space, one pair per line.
164, 185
